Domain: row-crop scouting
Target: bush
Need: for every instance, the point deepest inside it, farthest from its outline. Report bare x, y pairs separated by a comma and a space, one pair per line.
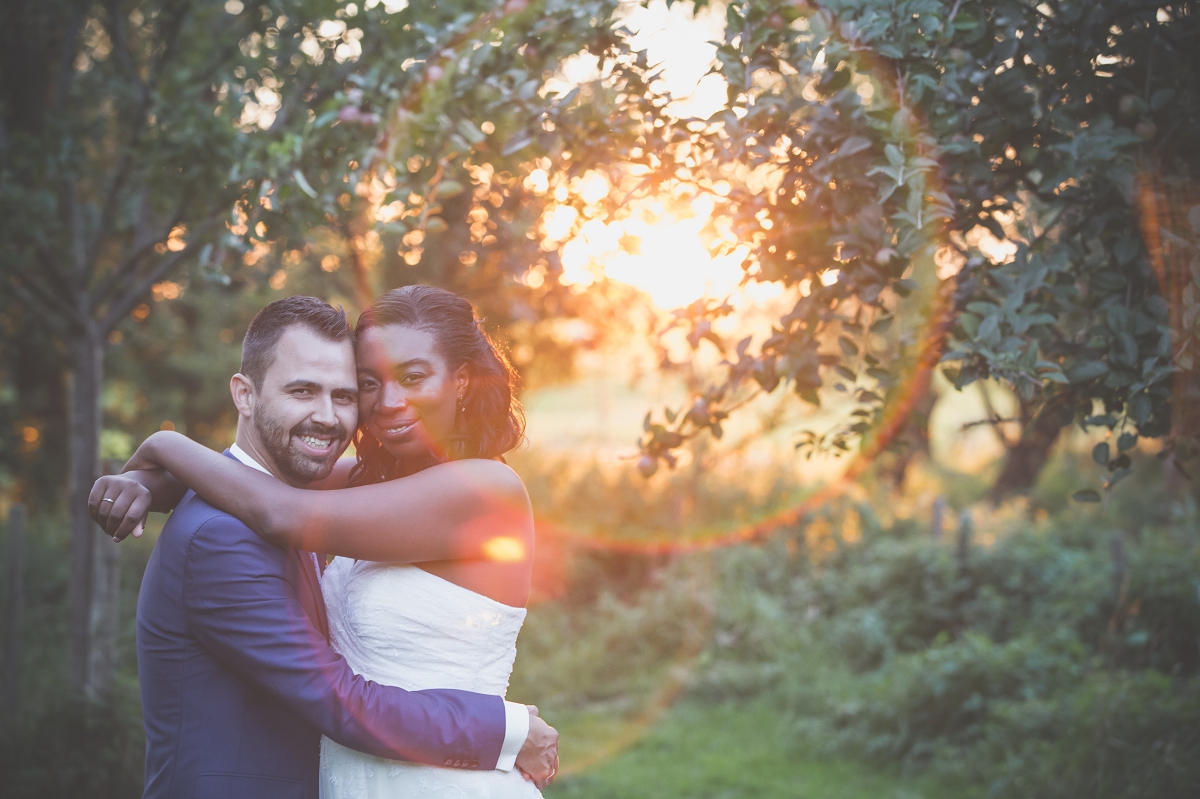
74, 749
1052, 663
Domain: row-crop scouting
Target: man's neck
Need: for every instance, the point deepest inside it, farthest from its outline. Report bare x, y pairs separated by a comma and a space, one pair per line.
250, 445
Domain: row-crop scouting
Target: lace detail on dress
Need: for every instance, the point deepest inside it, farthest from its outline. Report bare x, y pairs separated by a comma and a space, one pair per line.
402, 626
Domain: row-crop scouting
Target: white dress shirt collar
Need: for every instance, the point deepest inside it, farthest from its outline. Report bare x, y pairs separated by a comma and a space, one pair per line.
245, 458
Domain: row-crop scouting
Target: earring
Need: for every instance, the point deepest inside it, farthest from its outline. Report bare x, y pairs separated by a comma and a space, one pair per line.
462, 406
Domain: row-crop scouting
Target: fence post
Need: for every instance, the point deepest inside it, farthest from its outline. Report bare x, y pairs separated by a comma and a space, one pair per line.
106, 595
1116, 545
14, 609
964, 537
937, 518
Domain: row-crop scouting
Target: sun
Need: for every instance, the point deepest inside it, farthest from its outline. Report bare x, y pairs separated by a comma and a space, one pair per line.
672, 249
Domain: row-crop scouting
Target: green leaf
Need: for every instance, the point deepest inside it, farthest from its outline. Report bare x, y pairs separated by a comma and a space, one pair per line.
1100, 453
1117, 476
1126, 441
1086, 495
449, 188
466, 128
1140, 407
303, 183
852, 145
1088, 370
516, 144
1160, 98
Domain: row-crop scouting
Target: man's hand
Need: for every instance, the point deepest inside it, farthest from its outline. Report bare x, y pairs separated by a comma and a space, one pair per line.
538, 758
119, 504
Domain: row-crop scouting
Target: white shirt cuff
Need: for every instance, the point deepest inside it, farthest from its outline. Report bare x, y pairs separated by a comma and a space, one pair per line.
516, 730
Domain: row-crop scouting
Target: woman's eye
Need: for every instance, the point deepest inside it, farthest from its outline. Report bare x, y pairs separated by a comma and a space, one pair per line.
413, 377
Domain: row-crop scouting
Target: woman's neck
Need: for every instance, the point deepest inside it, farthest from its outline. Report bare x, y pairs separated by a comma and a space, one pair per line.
413, 464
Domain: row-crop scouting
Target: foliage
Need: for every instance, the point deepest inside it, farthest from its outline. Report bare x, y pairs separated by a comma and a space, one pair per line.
878, 132
55, 744
74, 748
1018, 657
1027, 666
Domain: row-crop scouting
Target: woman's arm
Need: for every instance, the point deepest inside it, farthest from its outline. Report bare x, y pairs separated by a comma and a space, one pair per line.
338, 478
462, 510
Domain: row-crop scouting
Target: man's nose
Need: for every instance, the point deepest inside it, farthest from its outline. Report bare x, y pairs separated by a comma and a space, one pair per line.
323, 413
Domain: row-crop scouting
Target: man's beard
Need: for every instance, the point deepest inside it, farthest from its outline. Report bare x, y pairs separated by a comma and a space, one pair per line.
295, 465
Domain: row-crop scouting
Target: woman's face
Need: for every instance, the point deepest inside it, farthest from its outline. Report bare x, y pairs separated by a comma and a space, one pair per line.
407, 395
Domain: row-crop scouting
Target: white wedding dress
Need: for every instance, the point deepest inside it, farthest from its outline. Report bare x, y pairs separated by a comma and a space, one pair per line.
402, 626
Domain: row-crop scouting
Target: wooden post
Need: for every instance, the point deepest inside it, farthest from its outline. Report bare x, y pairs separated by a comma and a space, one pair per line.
935, 523
964, 537
14, 609
1116, 546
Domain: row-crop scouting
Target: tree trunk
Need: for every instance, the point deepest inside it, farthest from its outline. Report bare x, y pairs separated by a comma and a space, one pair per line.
14, 611
1026, 458
94, 586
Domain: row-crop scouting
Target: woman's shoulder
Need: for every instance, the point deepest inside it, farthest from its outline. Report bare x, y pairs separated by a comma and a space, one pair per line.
477, 473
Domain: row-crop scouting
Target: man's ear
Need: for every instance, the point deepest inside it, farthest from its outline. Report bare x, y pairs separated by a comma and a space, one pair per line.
242, 390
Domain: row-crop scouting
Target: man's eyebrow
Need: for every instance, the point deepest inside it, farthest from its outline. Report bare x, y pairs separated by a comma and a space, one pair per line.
315, 386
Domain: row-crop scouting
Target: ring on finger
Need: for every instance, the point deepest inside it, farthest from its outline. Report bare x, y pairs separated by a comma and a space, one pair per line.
106, 499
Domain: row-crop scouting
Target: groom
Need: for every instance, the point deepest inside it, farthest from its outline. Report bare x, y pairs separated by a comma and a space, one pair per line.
237, 678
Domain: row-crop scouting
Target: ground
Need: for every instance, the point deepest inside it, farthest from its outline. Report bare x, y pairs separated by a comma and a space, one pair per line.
702, 751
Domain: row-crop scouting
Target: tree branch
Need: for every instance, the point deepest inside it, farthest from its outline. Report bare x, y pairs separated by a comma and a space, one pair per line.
125, 271
124, 304
116, 32
47, 259
36, 294
66, 71
51, 319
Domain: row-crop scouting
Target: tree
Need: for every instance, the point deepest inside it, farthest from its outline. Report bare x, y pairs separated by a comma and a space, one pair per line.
889, 130
143, 137
868, 153
120, 162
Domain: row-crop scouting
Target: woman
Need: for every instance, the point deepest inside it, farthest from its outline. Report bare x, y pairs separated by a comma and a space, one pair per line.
436, 412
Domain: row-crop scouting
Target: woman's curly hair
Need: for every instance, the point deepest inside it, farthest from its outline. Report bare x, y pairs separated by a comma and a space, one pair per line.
492, 423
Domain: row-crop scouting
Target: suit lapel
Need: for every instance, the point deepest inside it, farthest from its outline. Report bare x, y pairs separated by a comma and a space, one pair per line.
314, 602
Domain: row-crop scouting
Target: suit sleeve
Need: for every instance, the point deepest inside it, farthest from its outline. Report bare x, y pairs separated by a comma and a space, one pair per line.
246, 613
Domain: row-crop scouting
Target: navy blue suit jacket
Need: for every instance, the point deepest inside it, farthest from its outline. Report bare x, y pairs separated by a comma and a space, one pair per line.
239, 683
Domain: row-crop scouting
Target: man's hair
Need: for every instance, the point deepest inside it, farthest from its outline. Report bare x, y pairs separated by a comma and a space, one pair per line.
258, 347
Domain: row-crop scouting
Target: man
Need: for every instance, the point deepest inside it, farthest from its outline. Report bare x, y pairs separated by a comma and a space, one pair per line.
238, 681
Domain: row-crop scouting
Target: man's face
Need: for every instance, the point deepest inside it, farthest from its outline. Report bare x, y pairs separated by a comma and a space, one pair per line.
307, 407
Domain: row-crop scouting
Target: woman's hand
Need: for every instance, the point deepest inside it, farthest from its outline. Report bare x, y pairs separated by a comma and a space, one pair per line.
119, 504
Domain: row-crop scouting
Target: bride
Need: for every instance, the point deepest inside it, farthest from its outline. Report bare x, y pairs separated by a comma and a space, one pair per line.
436, 412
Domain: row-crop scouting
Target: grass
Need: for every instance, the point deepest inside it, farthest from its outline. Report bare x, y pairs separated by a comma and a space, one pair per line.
700, 751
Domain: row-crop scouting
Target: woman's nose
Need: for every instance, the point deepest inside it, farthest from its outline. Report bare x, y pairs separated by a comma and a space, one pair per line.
393, 396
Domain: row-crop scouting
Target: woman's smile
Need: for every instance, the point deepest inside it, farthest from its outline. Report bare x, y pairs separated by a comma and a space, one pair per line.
408, 395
